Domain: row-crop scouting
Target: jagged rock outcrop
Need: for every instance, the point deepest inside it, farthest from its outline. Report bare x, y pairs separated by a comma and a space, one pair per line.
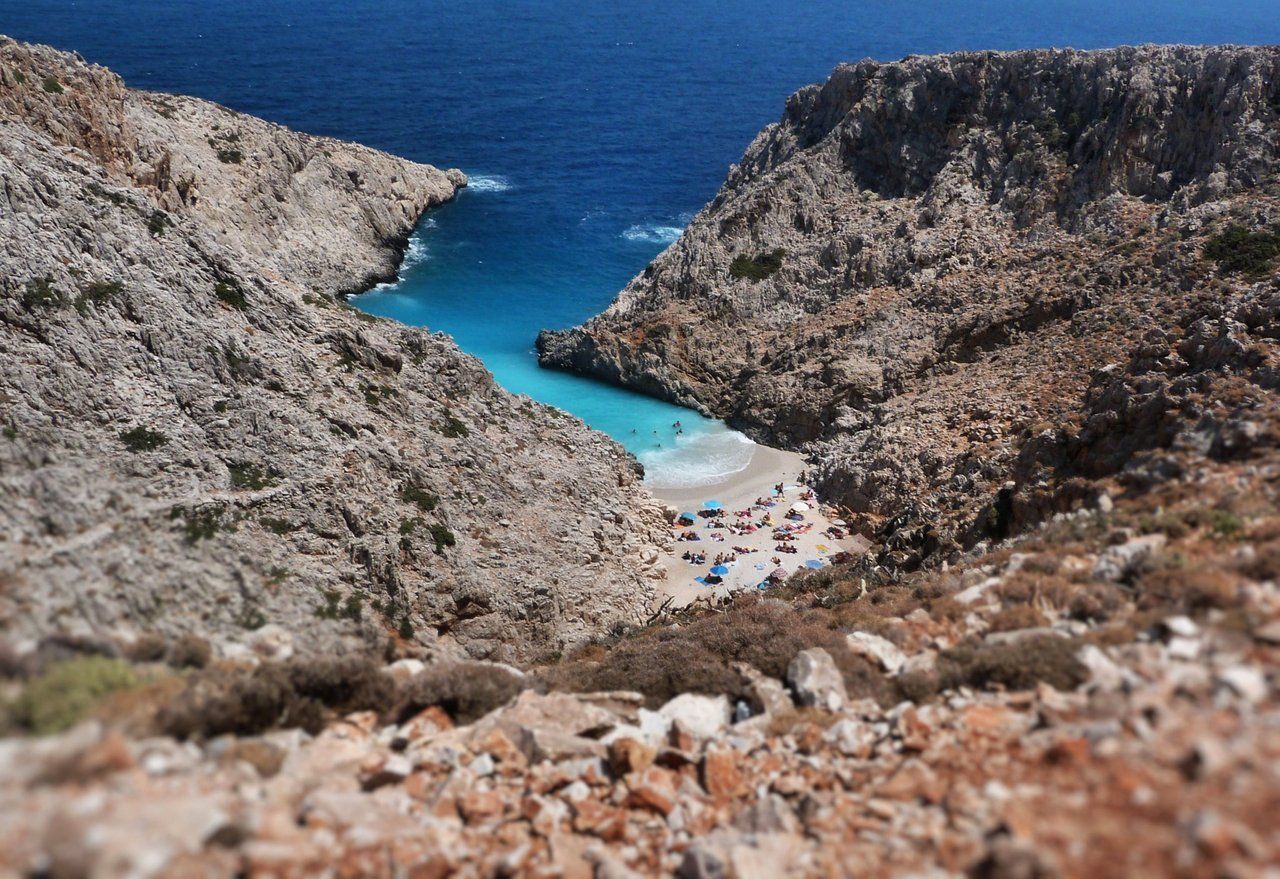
967, 284
199, 436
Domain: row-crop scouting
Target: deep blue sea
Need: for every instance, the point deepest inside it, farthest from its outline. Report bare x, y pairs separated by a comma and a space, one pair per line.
592, 130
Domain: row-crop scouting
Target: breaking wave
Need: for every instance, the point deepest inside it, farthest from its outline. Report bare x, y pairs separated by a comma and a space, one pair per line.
488, 183
698, 459
652, 232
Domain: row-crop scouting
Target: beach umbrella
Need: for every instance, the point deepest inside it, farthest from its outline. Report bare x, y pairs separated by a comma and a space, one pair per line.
778, 574
719, 570
813, 563
692, 517
800, 507
712, 505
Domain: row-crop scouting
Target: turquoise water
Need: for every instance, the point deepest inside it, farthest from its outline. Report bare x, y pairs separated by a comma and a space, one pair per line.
678, 446
593, 130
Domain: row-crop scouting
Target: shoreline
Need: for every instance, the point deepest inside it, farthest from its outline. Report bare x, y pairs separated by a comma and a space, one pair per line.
738, 492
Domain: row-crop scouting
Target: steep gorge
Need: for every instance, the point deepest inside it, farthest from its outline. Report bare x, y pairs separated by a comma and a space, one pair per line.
968, 284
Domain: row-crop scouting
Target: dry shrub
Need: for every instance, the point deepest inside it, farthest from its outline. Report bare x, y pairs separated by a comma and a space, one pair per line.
190, 651
1265, 563
1019, 616
147, 647
466, 690
298, 693
1017, 666
1187, 589
1096, 601
698, 657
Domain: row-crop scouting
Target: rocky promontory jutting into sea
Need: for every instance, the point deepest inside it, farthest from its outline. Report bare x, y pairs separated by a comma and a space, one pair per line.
287, 590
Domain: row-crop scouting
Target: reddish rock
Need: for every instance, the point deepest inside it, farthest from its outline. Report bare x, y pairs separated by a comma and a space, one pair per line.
629, 755
654, 788
722, 776
481, 805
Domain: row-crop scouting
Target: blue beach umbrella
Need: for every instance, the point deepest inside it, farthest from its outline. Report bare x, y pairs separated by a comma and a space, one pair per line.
813, 563
702, 580
712, 505
719, 570
692, 517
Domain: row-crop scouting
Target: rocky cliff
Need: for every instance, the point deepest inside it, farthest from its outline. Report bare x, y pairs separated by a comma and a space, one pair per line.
968, 284
199, 436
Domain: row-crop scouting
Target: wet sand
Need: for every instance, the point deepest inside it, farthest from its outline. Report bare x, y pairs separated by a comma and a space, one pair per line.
739, 491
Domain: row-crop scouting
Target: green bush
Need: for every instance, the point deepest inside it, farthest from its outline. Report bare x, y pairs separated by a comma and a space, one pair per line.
67, 692
40, 293
158, 222
758, 267
97, 294
52, 86
277, 526
1238, 250
202, 523
140, 439
452, 427
425, 500
249, 476
229, 156
443, 537
231, 292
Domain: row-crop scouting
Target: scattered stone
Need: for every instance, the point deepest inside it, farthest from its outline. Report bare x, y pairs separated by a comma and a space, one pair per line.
816, 681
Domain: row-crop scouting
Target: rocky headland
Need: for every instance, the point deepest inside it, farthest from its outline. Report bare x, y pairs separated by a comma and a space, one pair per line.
199, 437
965, 285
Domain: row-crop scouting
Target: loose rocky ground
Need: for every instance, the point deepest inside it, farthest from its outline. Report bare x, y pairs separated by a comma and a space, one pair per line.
200, 438
1099, 699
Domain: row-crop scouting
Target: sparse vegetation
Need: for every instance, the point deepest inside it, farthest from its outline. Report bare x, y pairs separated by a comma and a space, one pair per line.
230, 292
425, 500
41, 293
190, 651
1240, 251
466, 690
697, 657
302, 693
249, 476
141, 439
452, 427
52, 86
442, 537
1020, 665
68, 692
758, 267
97, 294
277, 526
157, 222
202, 523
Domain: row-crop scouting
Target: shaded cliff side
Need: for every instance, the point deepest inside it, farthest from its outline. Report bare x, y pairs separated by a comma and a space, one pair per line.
970, 285
199, 436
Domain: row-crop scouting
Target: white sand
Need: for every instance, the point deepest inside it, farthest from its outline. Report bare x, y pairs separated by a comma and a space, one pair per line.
739, 491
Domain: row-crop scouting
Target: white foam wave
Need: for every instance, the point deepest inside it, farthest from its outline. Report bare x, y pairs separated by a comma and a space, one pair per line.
488, 183
652, 232
701, 459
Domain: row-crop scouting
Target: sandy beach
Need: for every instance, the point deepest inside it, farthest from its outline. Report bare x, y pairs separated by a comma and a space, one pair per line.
739, 492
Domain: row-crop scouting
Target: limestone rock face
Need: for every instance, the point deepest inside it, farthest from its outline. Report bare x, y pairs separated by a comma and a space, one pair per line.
962, 282
198, 434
